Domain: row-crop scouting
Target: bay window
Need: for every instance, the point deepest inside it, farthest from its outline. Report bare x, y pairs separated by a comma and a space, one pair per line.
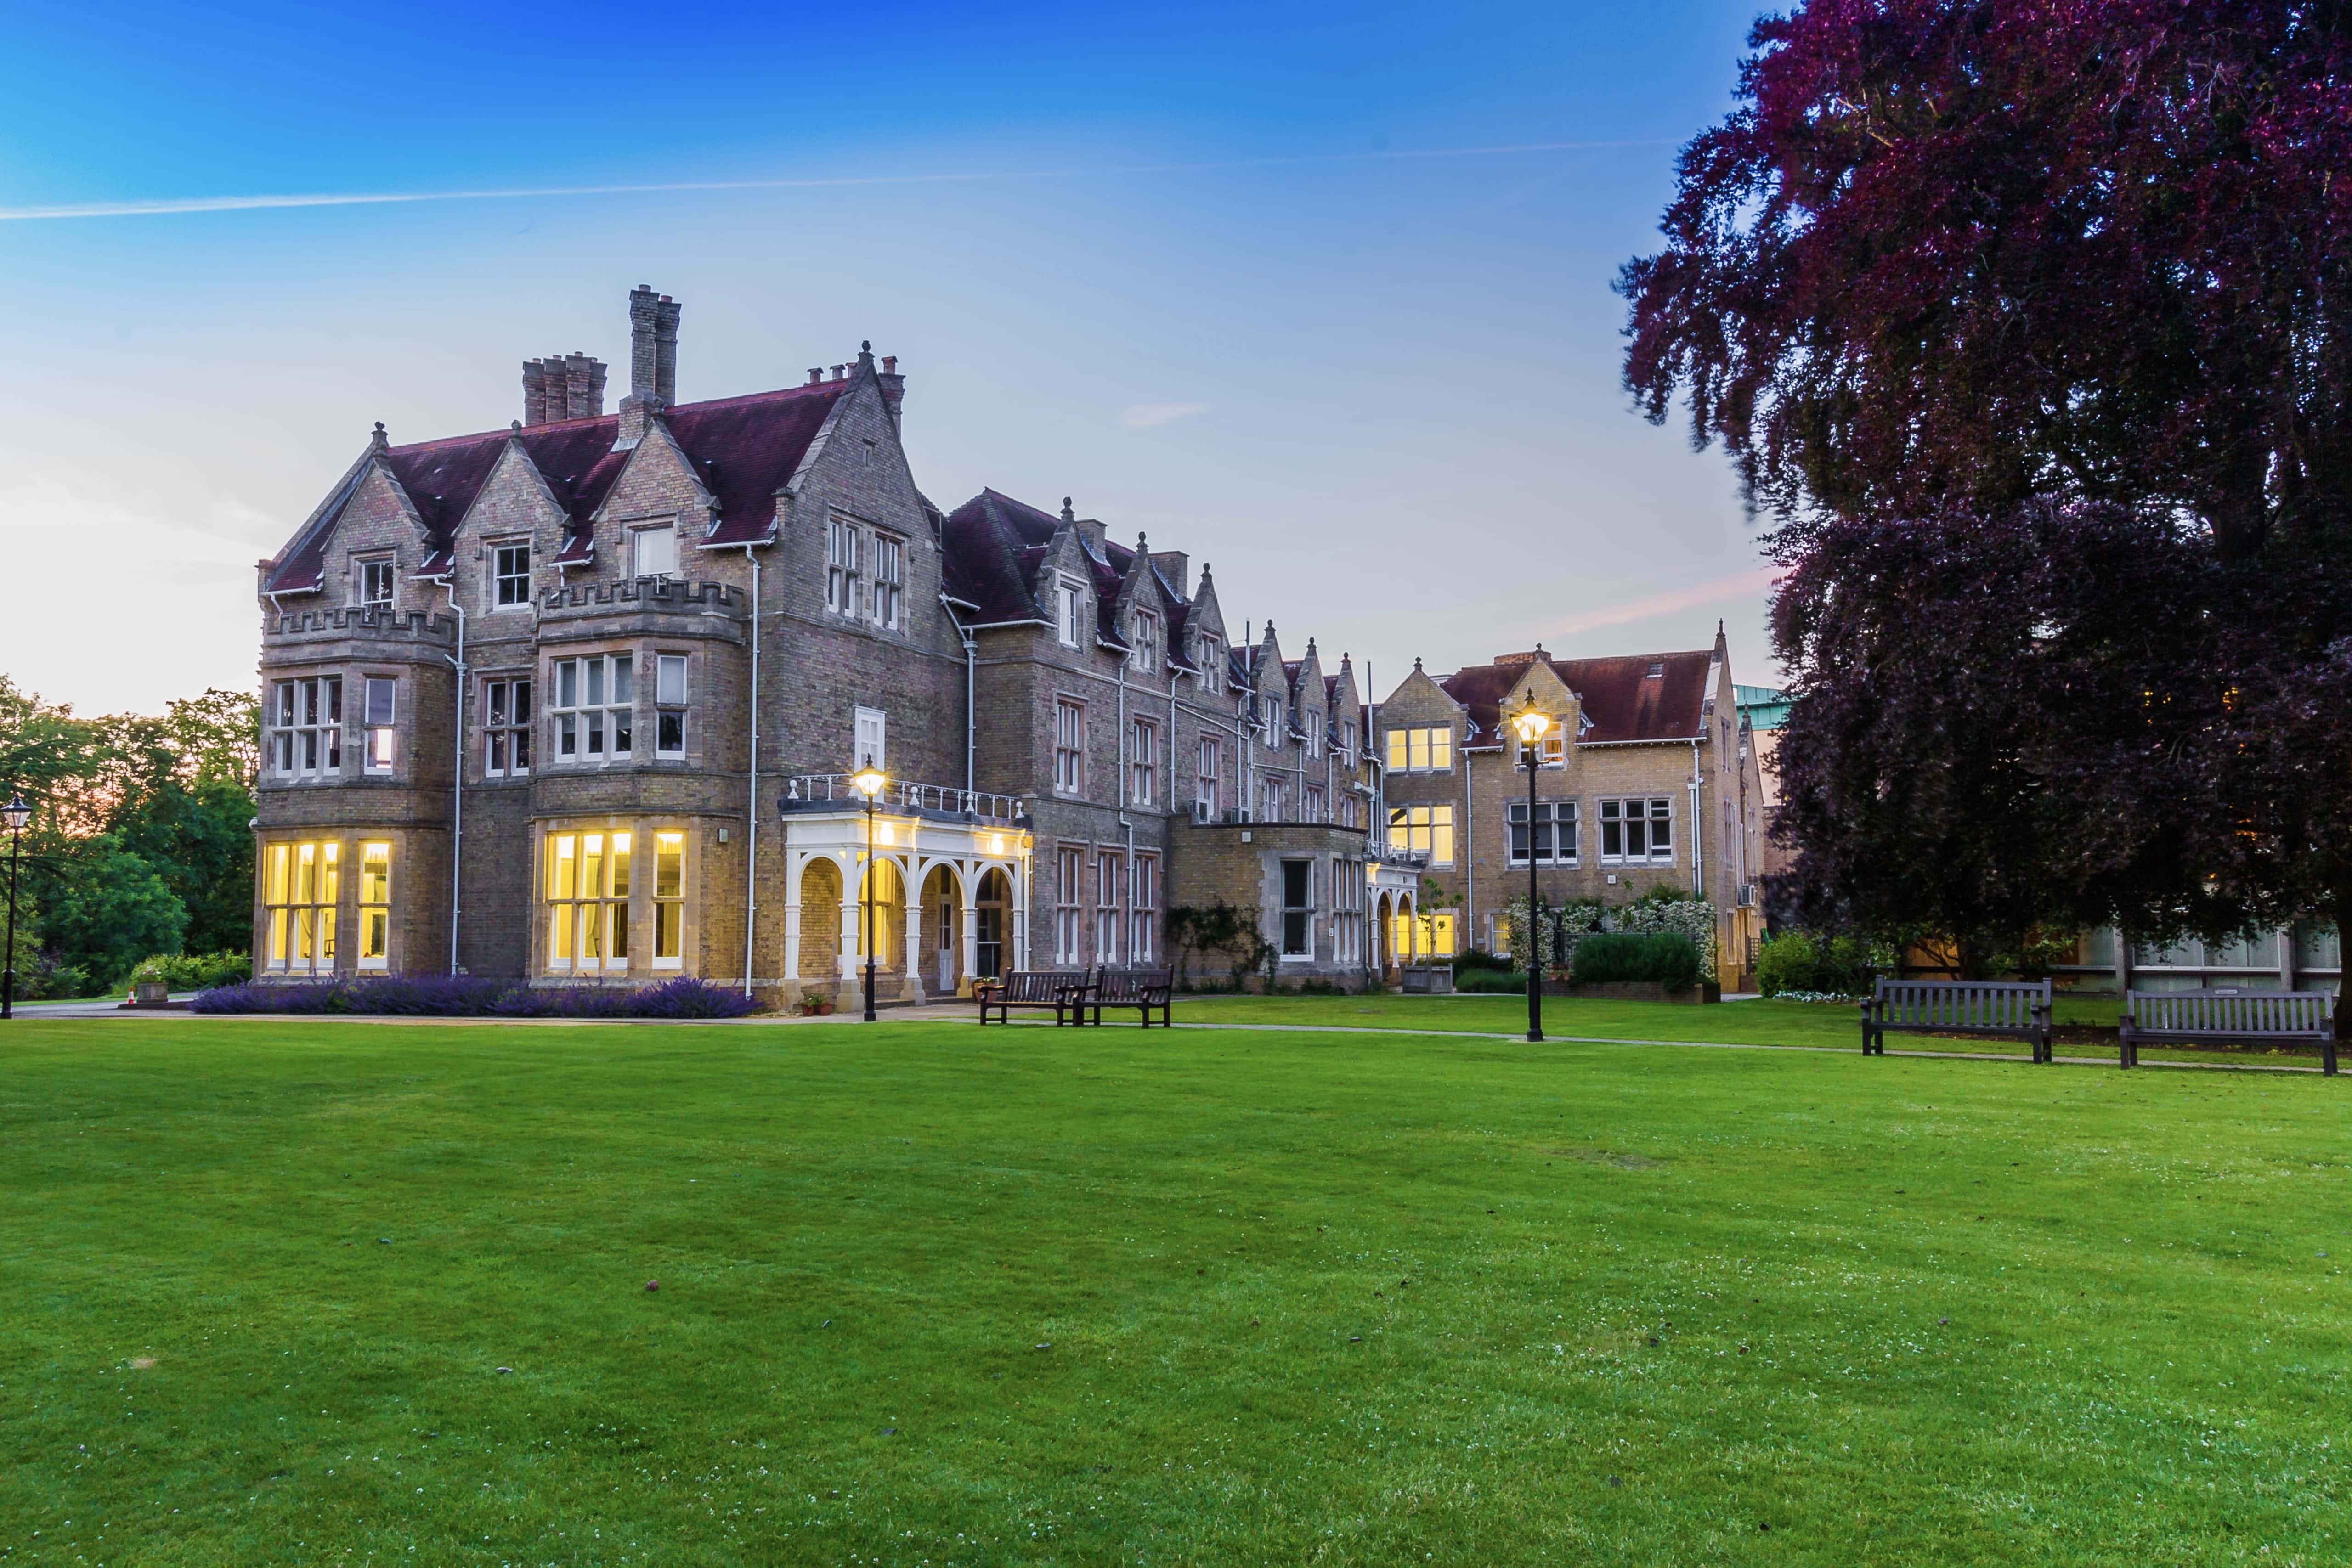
669, 699
669, 900
376, 905
301, 889
588, 902
377, 715
592, 707
306, 739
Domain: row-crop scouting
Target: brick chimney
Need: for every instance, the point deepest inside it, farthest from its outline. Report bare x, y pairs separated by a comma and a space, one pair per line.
893, 386
563, 386
653, 362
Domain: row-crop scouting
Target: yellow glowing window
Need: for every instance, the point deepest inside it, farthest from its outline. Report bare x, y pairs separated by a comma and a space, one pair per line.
669, 901
1423, 751
1433, 939
300, 886
588, 900
376, 905
1427, 829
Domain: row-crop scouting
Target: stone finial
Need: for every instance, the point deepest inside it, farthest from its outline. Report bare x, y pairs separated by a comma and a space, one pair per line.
381, 441
1416, 664
1068, 514
515, 427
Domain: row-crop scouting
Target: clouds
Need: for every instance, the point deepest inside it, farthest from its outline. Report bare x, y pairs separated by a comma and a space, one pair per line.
1720, 588
1150, 415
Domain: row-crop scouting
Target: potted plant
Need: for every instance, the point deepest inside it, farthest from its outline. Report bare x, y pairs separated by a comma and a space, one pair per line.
814, 1004
150, 984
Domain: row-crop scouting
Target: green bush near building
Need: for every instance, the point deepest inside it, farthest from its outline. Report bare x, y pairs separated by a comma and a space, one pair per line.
1665, 957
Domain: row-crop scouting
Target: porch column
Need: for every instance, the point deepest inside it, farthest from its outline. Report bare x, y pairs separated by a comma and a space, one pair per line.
793, 866
969, 883
914, 950
1019, 882
853, 913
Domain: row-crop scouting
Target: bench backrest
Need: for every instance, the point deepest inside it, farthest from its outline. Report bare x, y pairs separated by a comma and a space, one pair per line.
2241, 1012
1133, 985
1038, 985
1963, 1004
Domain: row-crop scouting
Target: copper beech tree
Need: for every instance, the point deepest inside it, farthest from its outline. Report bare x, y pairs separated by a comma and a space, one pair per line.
2029, 329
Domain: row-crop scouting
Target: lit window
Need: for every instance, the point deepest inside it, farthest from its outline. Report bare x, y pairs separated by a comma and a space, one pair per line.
1069, 748
889, 580
512, 574
1431, 934
306, 739
669, 901
1554, 832
1424, 829
1640, 830
588, 902
376, 905
1143, 759
378, 717
841, 551
669, 698
301, 889
1428, 749
594, 708
654, 551
376, 584
506, 729
1066, 612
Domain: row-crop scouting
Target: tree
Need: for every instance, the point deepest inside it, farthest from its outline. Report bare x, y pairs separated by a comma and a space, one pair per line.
2026, 325
103, 908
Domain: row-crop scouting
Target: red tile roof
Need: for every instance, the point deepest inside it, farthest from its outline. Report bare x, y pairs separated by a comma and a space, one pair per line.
743, 449
1621, 700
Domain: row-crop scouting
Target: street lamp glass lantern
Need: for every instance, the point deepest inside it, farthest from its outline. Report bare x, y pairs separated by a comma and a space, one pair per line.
1532, 725
15, 813
868, 780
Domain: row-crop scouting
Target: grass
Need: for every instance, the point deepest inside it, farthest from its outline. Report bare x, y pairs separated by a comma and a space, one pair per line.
328, 1292
1761, 1021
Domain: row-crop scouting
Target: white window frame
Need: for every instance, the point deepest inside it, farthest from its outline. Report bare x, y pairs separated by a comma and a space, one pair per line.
1314, 732
1146, 652
889, 580
306, 739
381, 569
1213, 664
1069, 878
590, 708
1656, 819
510, 567
379, 720
869, 738
506, 722
1143, 910
1421, 827
1208, 763
1143, 762
1068, 611
1069, 747
1552, 816
669, 706
1303, 914
640, 540
1313, 807
842, 551
1422, 745
1107, 920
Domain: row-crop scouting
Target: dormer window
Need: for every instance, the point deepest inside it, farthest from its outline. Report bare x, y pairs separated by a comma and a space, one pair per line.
1274, 732
511, 570
1147, 643
1213, 664
1313, 734
1657, 672
1065, 611
375, 584
653, 552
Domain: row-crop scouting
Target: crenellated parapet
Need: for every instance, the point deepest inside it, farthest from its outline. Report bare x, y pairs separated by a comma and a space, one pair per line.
386, 630
644, 593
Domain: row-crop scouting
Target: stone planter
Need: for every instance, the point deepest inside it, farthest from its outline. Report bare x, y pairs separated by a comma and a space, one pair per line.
1427, 979
151, 993
1636, 992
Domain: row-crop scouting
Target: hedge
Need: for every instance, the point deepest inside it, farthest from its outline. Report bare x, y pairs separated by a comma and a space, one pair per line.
466, 995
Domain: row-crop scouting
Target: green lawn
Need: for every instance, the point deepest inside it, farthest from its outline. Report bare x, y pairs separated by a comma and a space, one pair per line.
315, 1293
1763, 1021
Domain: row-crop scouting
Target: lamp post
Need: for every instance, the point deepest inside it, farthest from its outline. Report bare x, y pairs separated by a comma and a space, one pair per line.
1532, 726
16, 814
869, 781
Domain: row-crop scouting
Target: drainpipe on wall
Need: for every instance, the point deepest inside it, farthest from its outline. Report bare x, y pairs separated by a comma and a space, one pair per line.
1125, 904
1698, 829
971, 703
751, 806
457, 780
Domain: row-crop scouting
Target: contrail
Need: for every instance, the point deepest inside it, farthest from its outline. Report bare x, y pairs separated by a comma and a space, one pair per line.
173, 206
1689, 598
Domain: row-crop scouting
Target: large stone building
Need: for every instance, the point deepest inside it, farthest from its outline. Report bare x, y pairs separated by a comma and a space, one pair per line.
577, 700
1647, 778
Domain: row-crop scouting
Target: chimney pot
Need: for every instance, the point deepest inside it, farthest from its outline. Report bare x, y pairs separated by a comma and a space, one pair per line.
839, 372
889, 364
816, 374
666, 314
643, 308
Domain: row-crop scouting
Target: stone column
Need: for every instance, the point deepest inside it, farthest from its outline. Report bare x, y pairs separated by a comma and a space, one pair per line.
793, 867
970, 944
913, 955
853, 918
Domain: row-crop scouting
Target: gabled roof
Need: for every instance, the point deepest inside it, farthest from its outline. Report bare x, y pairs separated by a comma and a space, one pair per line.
743, 449
996, 546
1620, 698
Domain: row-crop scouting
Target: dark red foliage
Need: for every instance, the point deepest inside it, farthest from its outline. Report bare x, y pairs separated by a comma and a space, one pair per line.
2032, 325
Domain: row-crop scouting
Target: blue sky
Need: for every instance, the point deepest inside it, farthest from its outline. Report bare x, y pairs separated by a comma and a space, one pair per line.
1319, 293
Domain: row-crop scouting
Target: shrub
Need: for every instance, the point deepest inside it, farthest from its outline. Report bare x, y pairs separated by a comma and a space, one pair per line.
1471, 958
1805, 961
1499, 981
468, 996
1667, 957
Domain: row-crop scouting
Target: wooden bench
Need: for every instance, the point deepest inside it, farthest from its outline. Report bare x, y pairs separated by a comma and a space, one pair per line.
1064, 990
2228, 1017
1142, 989
2004, 1009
